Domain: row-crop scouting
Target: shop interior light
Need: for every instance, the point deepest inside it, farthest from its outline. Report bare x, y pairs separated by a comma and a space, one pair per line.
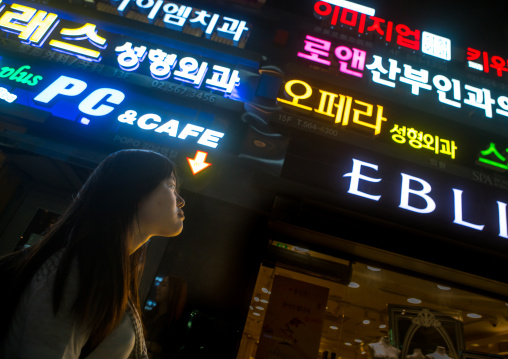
353, 285
443, 287
473, 315
264, 301
348, 344
256, 314
358, 340
256, 299
382, 326
374, 269
251, 307
414, 300
334, 327
366, 321
264, 290
260, 308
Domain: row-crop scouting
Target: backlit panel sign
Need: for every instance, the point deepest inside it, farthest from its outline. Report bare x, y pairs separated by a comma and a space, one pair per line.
105, 107
398, 191
86, 42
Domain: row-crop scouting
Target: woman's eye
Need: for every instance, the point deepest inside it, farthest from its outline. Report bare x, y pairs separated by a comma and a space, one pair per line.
172, 187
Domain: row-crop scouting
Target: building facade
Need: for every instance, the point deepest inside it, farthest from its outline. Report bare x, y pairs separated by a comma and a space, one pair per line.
343, 164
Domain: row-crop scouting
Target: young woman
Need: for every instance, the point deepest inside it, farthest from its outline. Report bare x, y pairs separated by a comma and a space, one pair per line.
75, 293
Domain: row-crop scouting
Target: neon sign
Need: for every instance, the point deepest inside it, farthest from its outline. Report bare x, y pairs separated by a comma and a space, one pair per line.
340, 111
175, 17
415, 196
493, 159
20, 75
417, 139
353, 6
153, 121
429, 43
35, 26
74, 99
32, 25
163, 65
352, 57
198, 164
91, 105
6, 95
497, 63
449, 91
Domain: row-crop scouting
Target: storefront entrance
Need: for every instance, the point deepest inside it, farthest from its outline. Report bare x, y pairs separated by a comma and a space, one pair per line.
379, 313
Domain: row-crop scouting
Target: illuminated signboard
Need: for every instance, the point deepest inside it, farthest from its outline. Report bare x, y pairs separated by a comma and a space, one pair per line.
384, 30
389, 72
351, 118
420, 140
35, 27
178, 17
162, 66
493, 159
353, 6
398, 191
351, 60
20, 74
106, 107
171, 127
496, 63
338, 108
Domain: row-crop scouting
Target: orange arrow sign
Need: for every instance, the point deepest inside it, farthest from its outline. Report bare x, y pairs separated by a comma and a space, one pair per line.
198, 163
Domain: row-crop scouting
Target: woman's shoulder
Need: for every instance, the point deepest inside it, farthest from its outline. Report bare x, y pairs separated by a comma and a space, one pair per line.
49, 266
44, 278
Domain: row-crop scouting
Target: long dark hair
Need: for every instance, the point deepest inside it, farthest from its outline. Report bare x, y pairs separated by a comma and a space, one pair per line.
94, 230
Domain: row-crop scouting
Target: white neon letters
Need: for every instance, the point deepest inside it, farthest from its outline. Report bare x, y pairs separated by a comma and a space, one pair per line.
68, 86
457, 199
64, 85
415, 196
151, 121
356, 176
503, 227
112, 96
406, 190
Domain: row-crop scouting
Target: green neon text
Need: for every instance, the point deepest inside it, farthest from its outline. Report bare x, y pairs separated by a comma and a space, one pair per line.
20, 75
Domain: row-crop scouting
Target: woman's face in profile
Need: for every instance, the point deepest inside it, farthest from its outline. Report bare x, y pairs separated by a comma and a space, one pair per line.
160, 213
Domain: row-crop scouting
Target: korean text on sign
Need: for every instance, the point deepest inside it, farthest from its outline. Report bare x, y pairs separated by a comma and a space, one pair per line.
496, 64
336, 106
35, 26
388, 31
351, 60
449, 90
186, 69
418, 139
176, 16
492, 158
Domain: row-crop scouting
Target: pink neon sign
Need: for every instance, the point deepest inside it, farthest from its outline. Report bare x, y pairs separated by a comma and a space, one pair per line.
350, 59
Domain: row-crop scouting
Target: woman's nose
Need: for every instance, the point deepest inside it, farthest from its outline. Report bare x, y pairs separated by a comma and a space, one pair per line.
181, 201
